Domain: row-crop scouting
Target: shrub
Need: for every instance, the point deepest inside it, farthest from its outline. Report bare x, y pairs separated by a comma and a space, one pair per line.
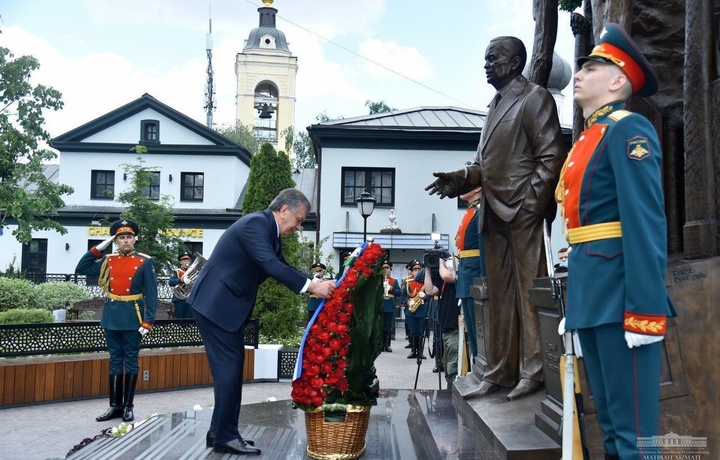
17, 293
26, 316
60, 296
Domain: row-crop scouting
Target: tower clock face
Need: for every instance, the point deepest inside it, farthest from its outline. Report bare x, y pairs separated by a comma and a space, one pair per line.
267, 41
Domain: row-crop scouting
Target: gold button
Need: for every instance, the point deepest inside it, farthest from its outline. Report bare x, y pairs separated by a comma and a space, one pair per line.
581, 138
571, 163
566, 192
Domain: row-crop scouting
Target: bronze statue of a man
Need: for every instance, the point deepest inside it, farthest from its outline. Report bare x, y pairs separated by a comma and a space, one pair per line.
518, 162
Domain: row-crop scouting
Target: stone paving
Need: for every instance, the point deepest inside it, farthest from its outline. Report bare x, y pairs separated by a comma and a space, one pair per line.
49, 431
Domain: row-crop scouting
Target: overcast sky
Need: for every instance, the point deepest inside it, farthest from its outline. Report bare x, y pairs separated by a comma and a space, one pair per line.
102, 54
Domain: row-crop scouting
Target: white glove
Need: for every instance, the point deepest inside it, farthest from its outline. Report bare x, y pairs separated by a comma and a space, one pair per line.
576, 340
143, 331
102, 246
421, 294
638, 340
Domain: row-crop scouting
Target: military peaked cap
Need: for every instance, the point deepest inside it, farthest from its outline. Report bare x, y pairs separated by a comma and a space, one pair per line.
615, 46
124, 226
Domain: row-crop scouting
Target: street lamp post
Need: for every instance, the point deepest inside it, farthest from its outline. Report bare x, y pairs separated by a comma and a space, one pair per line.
366, 206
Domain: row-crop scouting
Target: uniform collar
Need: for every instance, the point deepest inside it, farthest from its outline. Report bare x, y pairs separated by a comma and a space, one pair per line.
603, 112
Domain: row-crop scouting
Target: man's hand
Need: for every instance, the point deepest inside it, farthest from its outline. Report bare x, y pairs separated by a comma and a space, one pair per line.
322, 289
443, 185
637, 340
102, 246
145, 327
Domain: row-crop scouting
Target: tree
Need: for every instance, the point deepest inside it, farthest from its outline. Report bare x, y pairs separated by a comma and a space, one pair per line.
26, 195
300, 143
278, 308
378, 107
153, 216
243, 135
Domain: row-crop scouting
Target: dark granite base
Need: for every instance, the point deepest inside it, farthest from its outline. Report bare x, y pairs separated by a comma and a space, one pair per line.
509, 427
405, 425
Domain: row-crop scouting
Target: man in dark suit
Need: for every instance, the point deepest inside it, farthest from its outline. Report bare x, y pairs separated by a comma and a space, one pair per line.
518, 162
223, 298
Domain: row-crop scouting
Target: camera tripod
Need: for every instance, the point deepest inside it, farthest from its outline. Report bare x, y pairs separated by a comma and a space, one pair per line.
435, 351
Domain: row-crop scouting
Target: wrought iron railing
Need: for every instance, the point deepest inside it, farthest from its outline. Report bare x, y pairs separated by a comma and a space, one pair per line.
165, 292
87, 336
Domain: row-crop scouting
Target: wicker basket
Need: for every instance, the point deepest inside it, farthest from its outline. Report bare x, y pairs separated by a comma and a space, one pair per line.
337, 440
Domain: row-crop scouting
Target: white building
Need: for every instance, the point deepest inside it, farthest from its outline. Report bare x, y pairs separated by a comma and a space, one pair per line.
203, 171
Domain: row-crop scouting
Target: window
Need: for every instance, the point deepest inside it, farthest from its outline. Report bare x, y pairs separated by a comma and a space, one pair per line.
152, 191
379, 182
149, 131
103, 185
194, 246
193, 185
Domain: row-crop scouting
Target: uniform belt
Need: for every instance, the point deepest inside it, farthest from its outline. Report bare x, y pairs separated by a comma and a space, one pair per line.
594, 232
124, 298
313, 296
465, 253
389, 296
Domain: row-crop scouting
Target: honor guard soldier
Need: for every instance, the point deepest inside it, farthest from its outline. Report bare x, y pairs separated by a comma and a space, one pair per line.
471, 265
318, 272
128, 279
391, 290
416, 309
612, 204
181, 290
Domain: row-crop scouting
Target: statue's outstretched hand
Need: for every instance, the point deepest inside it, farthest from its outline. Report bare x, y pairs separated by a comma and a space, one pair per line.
443, 185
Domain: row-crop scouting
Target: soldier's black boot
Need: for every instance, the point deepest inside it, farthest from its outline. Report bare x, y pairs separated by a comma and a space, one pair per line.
130, 384
413, 347
386, 336
115, 409
612, 457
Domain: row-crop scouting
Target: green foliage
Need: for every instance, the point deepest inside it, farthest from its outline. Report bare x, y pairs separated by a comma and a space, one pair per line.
17, 293
152, 216
278, 309
243, 135
60, 296
301, 144
570, 5
378, 107
12, 271
26, 316
27, 196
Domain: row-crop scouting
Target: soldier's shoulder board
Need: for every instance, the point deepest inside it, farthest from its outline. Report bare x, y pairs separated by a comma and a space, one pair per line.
619, 115
144, 255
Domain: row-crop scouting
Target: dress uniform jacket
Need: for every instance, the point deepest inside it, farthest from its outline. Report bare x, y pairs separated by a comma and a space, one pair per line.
471, 255
389, 301
128, 275
611, 192
182, 308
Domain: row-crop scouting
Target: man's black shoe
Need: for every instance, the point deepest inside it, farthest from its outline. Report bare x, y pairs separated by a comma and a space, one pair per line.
210, 439
237, 447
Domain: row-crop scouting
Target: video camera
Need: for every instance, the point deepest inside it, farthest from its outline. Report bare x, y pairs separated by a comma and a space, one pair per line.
432, 257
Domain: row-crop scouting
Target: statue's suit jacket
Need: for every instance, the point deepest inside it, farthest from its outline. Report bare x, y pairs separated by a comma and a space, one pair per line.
521, 150
247, 253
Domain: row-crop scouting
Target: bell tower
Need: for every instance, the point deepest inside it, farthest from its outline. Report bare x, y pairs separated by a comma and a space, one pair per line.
266, 72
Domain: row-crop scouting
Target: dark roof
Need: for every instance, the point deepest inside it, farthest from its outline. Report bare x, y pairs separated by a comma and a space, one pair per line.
419, 118
221, 145
420, 128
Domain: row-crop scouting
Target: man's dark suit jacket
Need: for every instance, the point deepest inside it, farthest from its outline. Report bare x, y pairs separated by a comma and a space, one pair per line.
247, 253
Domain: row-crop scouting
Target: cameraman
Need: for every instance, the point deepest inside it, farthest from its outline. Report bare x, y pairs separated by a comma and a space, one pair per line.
440, 281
